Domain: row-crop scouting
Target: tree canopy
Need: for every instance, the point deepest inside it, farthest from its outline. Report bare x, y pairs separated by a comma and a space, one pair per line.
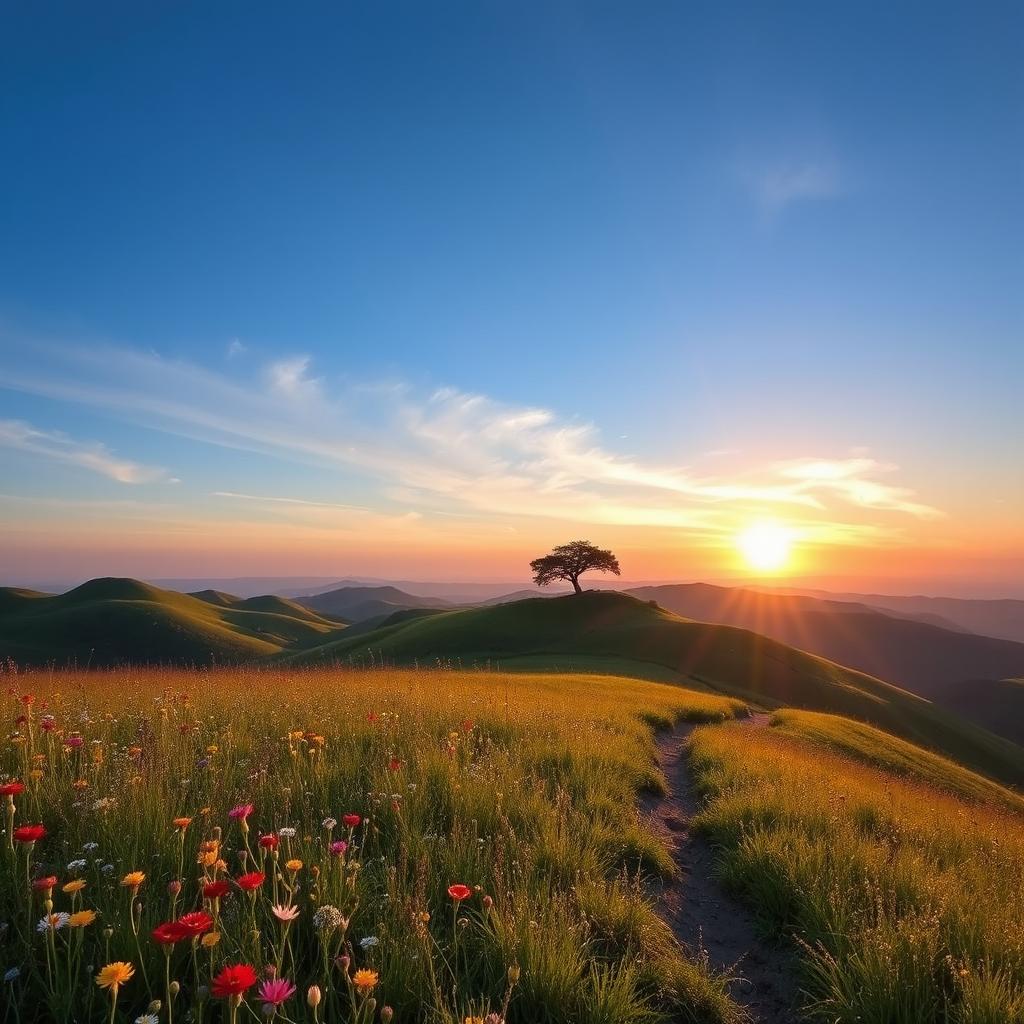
570, 561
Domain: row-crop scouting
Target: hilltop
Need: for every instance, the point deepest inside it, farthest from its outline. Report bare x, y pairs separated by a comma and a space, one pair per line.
354, 604
115, 621
612, 632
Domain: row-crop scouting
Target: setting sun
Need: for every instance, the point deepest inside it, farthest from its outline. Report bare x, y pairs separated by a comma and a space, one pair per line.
765, 546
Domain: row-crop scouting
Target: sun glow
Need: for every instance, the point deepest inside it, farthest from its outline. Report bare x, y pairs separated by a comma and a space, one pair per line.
765, 547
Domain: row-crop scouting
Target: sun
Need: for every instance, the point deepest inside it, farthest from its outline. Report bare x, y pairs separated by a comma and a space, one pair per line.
765, 546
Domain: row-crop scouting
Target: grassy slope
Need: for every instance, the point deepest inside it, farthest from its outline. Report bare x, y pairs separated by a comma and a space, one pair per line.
877, 748
555, 632
906, 900
109, 621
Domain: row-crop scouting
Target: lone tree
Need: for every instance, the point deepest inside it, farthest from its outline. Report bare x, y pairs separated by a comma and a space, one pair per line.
570, 561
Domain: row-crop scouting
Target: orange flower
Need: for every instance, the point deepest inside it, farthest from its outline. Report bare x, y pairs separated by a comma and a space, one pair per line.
182, 823
365, 980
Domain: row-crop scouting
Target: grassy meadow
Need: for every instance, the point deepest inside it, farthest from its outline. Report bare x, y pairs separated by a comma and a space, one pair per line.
906, 899
329, 845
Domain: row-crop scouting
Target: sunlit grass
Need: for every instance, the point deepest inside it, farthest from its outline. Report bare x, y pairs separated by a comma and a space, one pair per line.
520, 788
908, 901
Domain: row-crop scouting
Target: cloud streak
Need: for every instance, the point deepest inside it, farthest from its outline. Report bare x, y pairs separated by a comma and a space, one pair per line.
58, 447
456, 453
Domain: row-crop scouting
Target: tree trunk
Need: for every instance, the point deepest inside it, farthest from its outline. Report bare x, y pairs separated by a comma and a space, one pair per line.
574, 580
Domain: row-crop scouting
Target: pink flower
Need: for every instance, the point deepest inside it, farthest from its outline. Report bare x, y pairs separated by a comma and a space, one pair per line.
338, 847
74, 741
241, 812
275, 991
283, 913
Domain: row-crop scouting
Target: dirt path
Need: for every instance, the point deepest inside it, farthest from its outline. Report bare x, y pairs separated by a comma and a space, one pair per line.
699, 911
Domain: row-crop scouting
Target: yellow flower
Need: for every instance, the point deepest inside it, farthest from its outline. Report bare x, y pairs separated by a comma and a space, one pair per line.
114, 975
365, 980
36, 774
294, 864
75, 885
212, 748
133, 879
210, 939
206, 860
473, 1020
82, 918
80, 784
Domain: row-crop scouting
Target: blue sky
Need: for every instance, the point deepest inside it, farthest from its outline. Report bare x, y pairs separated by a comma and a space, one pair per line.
772, 233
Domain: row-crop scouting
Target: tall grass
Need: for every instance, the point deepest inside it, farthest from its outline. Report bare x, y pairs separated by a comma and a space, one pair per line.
908, 902
521, 789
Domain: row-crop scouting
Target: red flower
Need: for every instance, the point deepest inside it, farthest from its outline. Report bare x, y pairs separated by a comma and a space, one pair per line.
195, 923
44, 884
351, 820
250, 882
28, 699
49, 723
395, 765
215, 890
233, 980
270, 842
29, 833
12, 788
168, 933
459, 892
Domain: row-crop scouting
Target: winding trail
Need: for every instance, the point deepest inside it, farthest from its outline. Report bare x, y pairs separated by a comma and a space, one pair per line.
702, 915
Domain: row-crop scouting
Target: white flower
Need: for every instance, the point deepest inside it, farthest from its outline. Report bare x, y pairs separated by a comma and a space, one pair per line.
54, 921
77, 865
12, 974
147, 1018
327, 918
107, 869
90, 847
369, 941
286, 833
329, 823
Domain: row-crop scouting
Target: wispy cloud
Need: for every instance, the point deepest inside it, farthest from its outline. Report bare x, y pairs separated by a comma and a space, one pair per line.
459, 453
93, 456
265, 499
776, 185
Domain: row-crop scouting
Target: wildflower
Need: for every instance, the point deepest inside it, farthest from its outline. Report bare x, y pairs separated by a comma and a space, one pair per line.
328, 918
45, 884
174, 887
275, 991
369, 941
182, 823
241, 812
329, 823
114, 975
338, 847
12, 974
313, 996
147, 1018
29, 833
81, 919
294, 864
352, 820
90, 847
269, 842
286, 833
233, 980
283, 913
250, 882
133, 880
459, 892
395, 765
168, 933
195, 923
52, 922
215, 890
365, 980
74, 741
210, 939
77, 865
12, 789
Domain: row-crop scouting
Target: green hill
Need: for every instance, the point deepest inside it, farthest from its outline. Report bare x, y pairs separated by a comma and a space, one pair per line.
633, 637
117, 621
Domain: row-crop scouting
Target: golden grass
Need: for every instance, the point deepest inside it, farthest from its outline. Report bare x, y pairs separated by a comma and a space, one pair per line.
908, 900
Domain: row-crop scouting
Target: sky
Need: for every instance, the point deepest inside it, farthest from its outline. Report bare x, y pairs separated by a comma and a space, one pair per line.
419, 290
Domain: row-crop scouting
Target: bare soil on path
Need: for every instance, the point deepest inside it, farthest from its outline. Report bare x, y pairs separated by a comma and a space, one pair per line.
705, 919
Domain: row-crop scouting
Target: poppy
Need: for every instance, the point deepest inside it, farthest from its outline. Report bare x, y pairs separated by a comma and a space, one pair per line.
459, 892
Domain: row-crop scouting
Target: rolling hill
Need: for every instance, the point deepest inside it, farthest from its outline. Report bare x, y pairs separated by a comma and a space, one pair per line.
354, 604
632, 637
116, 621
952, 668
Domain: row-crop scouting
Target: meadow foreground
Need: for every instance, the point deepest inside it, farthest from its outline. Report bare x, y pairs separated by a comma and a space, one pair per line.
339, 846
